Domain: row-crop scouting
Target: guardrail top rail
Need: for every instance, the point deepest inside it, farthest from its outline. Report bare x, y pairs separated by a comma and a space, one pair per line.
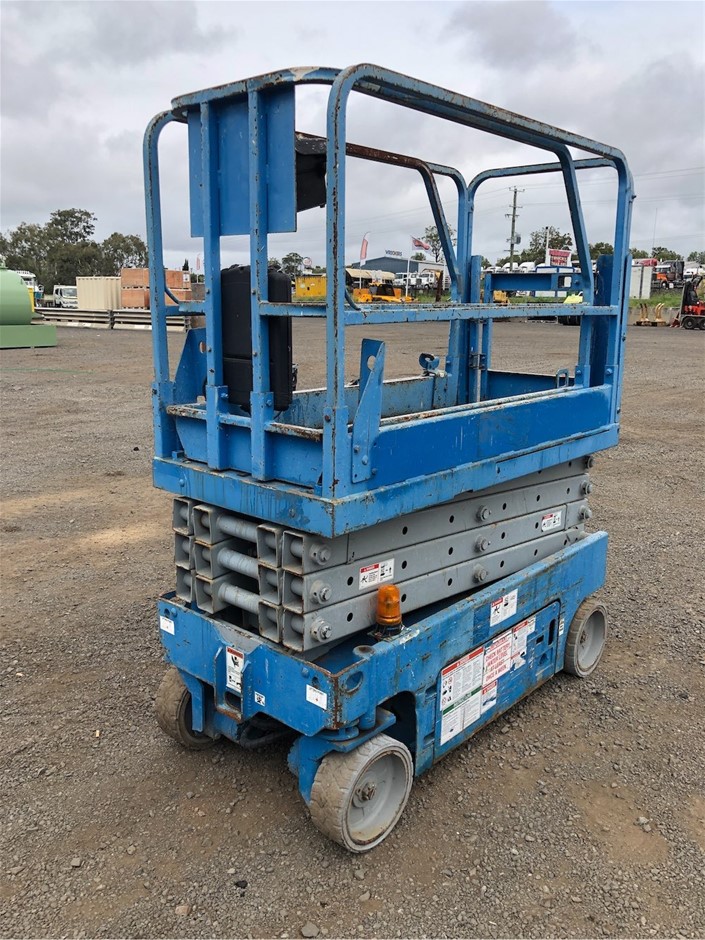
348, 456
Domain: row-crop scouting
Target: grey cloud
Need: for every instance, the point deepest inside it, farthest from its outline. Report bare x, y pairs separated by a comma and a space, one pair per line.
84, 109
516, 34
128, 33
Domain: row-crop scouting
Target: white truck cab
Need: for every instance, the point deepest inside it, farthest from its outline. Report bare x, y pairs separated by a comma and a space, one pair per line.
65, 296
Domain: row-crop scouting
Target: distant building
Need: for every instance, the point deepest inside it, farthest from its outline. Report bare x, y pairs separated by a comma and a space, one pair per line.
398, 266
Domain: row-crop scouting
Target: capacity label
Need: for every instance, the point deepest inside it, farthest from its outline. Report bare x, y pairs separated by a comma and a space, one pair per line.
378, 573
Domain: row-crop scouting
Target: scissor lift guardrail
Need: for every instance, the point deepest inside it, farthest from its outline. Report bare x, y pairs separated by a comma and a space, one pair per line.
337, 459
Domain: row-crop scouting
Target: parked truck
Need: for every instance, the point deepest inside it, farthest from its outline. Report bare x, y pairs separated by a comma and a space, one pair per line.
65, 295
668, 275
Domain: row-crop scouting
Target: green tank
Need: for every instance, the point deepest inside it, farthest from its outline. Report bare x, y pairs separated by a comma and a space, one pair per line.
16, 328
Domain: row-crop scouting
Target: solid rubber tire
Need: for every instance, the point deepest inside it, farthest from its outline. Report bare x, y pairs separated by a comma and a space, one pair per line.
334, 784
173, 708
688, 323
571, 663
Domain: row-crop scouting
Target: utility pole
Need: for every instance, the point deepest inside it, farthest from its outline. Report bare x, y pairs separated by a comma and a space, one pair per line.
514, 239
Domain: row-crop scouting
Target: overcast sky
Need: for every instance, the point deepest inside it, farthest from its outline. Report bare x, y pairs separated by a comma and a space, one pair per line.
80, 80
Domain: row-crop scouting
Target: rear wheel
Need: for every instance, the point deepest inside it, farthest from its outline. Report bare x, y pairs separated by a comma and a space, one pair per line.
688, 323
173, 707
701, 322
358, 797
586, 639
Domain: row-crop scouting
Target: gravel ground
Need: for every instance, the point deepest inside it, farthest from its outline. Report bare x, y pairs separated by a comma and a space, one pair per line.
581, 813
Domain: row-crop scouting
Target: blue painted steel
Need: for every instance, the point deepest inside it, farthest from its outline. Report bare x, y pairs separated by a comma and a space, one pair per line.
337, 459
353, 680
241, 154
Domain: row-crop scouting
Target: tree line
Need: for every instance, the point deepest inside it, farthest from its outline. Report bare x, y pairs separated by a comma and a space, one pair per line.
64, 248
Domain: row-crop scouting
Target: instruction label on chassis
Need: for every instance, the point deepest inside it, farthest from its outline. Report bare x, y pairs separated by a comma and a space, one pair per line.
469, 685
234, 661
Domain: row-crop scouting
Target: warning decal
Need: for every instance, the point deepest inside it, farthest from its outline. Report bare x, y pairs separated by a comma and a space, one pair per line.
469, 687
520, 634
316, 697
489, 697
498, 658
166, 624
234, 661
376, 574
461, 685
552, 520
503, 608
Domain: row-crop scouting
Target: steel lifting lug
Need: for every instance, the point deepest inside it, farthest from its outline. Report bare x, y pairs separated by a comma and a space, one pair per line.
430, 365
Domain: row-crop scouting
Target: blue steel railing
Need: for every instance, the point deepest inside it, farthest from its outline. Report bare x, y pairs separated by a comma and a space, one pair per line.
344, 457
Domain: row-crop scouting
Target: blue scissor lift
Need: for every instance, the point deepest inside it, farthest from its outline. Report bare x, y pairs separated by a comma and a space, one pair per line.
302, 517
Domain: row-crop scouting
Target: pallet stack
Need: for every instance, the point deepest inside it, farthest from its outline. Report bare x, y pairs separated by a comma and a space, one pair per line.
134, 287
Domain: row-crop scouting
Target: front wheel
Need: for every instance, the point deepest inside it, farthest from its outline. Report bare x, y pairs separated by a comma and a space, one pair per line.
586, 639
358, 797
688, 323
173, 707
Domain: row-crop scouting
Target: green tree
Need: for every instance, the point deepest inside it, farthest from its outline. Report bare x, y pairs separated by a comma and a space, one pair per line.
418, 256
71, 226
697, 256
25, 249
639, 253
64, 249
71, 251
600, 248
291, 264
124, 251
431, 236
665, 254
274, 263
67, 262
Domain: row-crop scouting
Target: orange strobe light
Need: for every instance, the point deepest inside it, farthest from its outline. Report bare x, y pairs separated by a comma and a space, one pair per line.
388, 606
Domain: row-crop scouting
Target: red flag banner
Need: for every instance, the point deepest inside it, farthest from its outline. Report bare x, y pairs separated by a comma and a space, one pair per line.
363, 248
417, 243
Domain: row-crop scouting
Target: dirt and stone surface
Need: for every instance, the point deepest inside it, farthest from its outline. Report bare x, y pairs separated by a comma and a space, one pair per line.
579, 813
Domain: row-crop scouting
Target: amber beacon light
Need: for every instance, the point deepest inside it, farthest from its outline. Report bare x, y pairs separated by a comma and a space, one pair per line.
388, 606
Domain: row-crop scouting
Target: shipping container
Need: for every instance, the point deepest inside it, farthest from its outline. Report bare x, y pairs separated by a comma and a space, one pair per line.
98, 293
